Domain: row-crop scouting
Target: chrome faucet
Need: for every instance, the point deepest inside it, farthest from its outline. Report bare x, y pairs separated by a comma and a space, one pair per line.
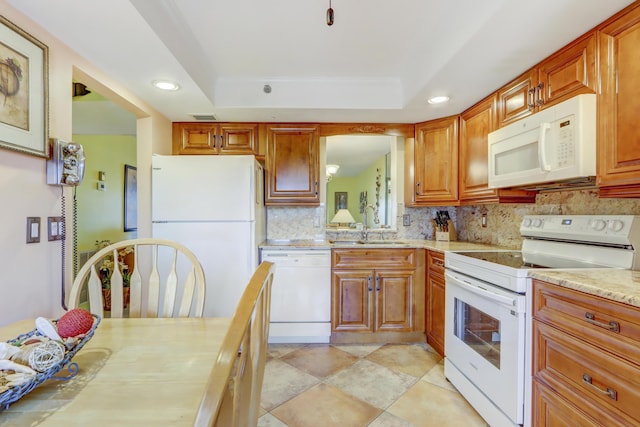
365, 232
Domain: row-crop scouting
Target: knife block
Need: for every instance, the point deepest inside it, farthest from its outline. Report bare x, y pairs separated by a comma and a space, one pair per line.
446, 236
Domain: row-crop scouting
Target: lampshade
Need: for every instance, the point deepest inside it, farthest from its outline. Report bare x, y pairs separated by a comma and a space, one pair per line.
332, 169
343, 216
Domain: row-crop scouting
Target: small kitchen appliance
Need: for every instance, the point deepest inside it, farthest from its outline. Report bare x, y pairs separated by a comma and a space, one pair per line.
488, 304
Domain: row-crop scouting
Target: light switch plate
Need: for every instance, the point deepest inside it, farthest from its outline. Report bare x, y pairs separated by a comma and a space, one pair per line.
406, 220
33, 229
55, 228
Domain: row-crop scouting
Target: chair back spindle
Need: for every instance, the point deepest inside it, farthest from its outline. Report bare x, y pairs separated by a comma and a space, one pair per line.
175, 274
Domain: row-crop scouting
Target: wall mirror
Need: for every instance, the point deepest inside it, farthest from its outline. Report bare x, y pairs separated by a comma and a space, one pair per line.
361, 171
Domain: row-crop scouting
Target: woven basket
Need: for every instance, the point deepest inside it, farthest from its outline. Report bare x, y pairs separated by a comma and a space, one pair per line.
15, 393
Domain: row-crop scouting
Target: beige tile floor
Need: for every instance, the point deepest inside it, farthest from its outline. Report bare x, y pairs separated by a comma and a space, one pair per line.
391, 385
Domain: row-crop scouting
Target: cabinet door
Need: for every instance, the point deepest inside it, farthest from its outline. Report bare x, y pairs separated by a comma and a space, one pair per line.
517, 98
238, 138
194, 138
394, 303
475, 125
567, 73
352, 298
436, 162
435, 311
618, 107
293, 165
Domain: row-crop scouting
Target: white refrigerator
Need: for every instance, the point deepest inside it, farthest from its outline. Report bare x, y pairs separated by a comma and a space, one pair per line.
214, 205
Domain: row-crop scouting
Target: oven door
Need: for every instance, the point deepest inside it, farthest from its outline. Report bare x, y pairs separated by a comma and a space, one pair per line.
485, 340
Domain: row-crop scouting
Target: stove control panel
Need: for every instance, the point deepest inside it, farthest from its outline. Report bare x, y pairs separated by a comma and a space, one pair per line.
623, 230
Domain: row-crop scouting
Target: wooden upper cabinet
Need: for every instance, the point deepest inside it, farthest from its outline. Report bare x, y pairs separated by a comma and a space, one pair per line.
436, 163
475, 125
569, 72
516, 98
618, 107
293, 165
214, 138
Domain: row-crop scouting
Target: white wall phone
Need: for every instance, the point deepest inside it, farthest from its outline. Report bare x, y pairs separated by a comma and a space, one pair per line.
66, 167
66, 163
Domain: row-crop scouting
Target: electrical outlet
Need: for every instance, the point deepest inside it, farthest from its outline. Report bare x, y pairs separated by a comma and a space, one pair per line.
406, 220
484, 220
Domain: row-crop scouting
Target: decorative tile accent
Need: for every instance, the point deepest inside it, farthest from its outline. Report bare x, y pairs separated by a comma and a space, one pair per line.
503, 220
373, 383
429, 405
411, 359
282, 382
355, 395
320, 361
324, 405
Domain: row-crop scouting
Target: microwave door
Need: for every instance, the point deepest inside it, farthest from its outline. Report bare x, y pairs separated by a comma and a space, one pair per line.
515, 159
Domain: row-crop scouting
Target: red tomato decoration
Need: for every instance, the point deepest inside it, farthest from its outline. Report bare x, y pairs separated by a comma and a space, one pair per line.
75, 322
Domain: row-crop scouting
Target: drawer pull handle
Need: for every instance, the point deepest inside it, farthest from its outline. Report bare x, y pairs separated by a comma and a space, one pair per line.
369, 283
613, 395
612, 325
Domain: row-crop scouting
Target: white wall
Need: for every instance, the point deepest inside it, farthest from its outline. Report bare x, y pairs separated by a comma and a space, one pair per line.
31, 273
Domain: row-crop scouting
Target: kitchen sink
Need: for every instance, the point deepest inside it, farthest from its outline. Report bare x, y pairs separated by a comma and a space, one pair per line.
368, 242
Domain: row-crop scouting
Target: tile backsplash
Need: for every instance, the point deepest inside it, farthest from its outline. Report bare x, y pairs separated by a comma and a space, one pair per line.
503, 220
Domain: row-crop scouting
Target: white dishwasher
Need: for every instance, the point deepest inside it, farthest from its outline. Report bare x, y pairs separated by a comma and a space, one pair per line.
300, 296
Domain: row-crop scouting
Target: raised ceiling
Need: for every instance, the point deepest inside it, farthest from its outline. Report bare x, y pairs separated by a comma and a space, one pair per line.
379, 62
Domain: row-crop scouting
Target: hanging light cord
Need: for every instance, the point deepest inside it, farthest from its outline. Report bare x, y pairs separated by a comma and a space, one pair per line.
330, 15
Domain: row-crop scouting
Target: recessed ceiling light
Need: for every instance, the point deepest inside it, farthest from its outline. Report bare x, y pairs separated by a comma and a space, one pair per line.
166, 85
438, 99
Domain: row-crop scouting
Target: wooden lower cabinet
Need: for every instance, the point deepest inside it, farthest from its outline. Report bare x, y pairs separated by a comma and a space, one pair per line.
434, 301
374, 295
586, 359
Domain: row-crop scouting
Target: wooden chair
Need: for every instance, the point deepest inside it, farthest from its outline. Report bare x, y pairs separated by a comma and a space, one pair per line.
232, 398
169, 269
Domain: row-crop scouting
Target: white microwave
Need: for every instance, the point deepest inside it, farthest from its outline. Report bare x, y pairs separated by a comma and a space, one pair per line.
557, 144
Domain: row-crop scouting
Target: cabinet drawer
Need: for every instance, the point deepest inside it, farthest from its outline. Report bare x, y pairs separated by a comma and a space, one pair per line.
435, 261
614, 326
552, 410
374, 258
584, 373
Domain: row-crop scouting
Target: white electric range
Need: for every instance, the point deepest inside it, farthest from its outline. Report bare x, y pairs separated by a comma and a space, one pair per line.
487, 308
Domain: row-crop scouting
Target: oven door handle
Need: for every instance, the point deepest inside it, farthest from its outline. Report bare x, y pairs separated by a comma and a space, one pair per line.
478, 290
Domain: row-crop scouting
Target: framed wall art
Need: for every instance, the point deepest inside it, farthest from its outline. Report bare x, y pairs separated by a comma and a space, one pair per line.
24, 91
342, 199
130, 198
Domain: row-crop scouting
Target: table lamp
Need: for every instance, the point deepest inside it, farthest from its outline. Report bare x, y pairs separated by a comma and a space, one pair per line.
343, 216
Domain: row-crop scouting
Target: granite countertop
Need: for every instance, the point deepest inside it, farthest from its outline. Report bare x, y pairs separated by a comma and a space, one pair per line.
611, 283
614, 284
404, 243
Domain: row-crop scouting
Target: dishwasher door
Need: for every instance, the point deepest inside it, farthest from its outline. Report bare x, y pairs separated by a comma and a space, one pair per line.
300, 296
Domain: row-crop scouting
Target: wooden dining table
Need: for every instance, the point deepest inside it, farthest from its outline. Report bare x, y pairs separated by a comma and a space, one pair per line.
132, 372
